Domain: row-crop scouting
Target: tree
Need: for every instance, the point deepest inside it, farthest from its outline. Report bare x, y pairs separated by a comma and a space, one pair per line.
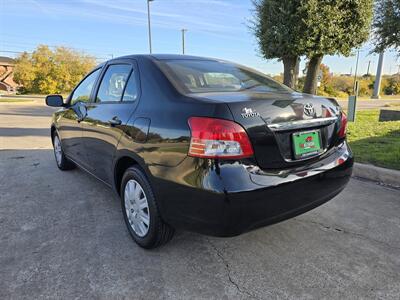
49, 72
326, 80
277, 27
333, 28
386, 25
289, 29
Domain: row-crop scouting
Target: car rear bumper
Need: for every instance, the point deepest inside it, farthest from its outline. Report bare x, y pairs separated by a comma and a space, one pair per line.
229, 198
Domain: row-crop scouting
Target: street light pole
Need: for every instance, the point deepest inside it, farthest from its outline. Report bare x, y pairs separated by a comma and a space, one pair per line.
369, 64
183, 40
148, 22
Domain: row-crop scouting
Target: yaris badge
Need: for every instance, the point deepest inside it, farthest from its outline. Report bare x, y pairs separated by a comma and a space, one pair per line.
309, 110
249, 113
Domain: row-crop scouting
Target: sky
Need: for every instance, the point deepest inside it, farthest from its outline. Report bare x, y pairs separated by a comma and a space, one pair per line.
106, 29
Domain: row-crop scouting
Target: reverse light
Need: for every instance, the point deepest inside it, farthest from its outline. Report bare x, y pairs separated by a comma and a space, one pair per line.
343, 125
217, 138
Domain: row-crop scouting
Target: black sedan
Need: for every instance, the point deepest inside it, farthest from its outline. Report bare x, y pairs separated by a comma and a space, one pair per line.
201, 144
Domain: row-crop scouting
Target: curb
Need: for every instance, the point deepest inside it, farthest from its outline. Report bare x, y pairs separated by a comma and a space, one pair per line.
385, 176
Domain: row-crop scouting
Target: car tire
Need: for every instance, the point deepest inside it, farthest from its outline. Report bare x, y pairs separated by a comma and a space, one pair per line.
139, 206
63, 163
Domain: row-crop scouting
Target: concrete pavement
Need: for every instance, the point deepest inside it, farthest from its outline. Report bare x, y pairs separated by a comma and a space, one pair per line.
62, 236
25, 125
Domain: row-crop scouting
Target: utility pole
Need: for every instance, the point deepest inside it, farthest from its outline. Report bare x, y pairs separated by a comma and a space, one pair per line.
183, 40
355, 73
369, 63
378, 78
148, 23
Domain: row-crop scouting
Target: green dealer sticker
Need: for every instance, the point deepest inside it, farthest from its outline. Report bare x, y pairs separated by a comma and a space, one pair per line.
306, 143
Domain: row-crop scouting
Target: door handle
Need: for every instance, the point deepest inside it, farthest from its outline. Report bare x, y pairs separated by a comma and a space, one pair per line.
115, 121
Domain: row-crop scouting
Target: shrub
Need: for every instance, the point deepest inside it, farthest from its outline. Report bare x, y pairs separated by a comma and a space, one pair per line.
391, 86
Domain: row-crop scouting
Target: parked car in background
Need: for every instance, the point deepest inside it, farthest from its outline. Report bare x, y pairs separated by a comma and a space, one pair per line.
201, 144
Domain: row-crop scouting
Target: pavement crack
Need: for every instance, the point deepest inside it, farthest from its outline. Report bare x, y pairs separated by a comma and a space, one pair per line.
345, 231
229, 272
17, 157
382, 184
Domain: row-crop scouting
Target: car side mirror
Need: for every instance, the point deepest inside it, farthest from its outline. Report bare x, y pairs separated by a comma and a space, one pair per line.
54, 100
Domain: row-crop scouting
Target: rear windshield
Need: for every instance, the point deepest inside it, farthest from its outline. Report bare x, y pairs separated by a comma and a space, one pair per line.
203, 76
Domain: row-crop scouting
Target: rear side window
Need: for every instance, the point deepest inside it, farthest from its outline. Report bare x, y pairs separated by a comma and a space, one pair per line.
131, 90
113, 83
84, 89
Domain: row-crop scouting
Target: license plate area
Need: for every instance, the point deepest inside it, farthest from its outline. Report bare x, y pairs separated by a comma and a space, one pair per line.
306, 143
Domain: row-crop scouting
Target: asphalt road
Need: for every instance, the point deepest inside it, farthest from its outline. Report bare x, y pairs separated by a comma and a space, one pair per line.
62, 236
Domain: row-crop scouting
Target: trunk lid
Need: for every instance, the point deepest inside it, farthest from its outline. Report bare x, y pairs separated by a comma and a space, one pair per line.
271, 119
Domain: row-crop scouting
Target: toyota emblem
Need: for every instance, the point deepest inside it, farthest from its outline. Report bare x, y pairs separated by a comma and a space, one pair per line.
309, 110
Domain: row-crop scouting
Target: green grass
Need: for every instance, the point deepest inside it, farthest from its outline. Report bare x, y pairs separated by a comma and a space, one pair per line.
374, 142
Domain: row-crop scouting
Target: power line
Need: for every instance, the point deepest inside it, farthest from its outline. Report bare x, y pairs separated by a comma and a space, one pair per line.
21, 52
24, 45
16, 52
20, 43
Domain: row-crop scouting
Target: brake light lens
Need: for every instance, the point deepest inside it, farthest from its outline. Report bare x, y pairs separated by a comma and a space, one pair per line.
343, 125
217, 138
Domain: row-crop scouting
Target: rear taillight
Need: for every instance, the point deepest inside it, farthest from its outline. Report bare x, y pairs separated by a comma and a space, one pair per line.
343, 125
216, 138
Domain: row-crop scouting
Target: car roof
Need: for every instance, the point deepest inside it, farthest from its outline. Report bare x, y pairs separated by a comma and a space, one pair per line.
179, 56
167, 57
158, 57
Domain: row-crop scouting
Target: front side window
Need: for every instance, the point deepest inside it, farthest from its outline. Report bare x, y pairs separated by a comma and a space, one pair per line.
84, 89
202, 76
113, 83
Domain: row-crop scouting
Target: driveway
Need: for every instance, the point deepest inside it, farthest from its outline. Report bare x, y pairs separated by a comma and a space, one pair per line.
62, 236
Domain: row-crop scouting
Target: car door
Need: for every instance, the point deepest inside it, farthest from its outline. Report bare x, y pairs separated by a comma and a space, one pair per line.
70, 128
116, 99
